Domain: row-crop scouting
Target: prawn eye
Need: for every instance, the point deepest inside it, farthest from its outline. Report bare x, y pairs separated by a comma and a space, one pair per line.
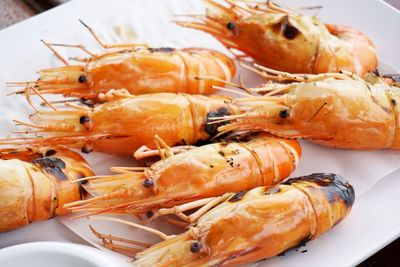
86, 149
84, 119
148, 183
82, 79
284, 113
231, 26
195, 247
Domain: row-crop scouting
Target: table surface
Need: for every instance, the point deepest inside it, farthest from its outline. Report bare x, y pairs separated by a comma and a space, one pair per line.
13, 11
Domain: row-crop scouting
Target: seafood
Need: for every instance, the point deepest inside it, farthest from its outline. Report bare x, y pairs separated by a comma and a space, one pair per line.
200, 172
139, 70
271, 221
285, 40
324, 108
126, 122
36, 182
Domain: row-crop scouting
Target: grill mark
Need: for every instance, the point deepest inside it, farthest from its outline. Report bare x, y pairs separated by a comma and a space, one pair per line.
184, 72
258, 161
393, 106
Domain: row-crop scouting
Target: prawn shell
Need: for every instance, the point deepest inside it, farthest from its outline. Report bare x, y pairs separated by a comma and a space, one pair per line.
263, 223
37, 190
141, 71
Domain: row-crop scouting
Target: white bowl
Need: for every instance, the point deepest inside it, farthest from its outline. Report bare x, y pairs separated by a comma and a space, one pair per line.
56, 254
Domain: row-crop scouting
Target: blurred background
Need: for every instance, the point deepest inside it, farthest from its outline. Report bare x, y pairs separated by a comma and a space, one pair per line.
13, 11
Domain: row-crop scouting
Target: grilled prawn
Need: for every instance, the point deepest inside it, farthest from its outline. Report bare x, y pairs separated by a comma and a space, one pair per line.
284, 40
201, 172
140, 71
35, 184
126, 122
254, 225
335, 109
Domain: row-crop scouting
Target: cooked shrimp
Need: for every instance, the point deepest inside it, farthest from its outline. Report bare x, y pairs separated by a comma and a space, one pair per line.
253, 225
126, 122
335, 109
36, 183
135, 67
284, 40
201, 172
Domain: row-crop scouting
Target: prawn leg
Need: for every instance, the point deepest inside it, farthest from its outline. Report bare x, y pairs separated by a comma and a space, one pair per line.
205, 204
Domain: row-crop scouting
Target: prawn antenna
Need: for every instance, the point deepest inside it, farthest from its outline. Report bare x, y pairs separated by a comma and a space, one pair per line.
108, 242
63, 60
108, 46
142, 227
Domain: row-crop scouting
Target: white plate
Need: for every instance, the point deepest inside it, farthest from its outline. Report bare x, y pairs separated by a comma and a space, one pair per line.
56, 254
374, 221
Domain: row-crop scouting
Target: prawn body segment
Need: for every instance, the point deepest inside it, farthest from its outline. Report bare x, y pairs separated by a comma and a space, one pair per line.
271, 221
37, 186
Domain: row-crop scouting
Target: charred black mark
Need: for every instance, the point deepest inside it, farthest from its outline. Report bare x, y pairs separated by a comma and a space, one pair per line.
149, 214
394, 77
376, 72
273, 190
333, 185
82, 79
284, 113
238, 196
230, 161
221, 153
84, 120
162, 49
53, 166
196, 247
394, 103
212, 129
50, 152
211, 166
290, 32
148, 183
202, 142
86, 149
302, 243
87, 102
82, 191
